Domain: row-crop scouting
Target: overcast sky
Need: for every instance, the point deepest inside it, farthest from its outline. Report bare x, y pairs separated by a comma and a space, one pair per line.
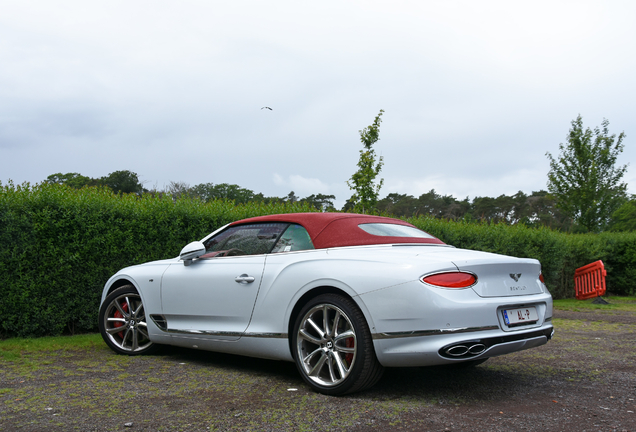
474, 92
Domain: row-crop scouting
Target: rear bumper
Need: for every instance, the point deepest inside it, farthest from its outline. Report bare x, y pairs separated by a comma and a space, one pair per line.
433, 348
414, 324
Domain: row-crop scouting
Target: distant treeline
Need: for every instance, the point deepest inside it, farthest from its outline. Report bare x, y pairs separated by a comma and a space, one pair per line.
539, 209
536, 209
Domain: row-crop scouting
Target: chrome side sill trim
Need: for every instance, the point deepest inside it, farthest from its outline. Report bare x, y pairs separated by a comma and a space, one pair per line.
267, 335
419, 333
226, 334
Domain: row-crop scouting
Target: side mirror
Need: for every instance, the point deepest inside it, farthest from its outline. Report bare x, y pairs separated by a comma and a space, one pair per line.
191, 251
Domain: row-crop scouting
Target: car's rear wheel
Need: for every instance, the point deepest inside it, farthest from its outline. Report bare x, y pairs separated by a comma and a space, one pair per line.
122, 322
333, 348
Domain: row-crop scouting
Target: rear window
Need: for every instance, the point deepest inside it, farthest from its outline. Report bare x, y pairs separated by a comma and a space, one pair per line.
393, 230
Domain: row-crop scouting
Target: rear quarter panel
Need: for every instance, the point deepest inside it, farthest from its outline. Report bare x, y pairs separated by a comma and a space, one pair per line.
355, 271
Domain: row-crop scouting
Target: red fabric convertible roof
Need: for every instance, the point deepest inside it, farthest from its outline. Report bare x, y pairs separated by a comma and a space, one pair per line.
340, 229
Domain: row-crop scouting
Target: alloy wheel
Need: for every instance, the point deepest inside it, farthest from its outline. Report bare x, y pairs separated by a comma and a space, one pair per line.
124, 324
326, 345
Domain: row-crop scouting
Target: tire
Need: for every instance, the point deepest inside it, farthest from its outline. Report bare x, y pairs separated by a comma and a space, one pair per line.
332, 346
122, 322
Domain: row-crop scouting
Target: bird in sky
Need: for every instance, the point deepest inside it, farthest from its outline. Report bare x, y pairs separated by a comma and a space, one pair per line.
267, 108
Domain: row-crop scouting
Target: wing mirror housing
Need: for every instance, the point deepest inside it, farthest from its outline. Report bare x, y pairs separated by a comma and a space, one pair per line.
191, 251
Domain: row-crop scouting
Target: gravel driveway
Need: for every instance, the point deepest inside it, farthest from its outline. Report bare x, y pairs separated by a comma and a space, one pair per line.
583, 380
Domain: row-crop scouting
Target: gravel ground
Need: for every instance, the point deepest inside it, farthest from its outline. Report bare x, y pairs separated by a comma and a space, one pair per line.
583, 380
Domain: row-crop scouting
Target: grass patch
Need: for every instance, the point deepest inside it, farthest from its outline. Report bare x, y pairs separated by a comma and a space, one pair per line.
627, 304
592, 326
13, 349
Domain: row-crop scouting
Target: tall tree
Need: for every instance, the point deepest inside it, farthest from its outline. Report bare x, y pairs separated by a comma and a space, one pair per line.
362, 181
584, 178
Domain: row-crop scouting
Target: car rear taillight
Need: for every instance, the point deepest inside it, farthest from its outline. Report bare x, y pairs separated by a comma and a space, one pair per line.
451, 280
541, 278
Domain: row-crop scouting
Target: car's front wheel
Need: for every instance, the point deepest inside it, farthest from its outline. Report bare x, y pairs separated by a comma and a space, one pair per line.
122, 322
333, 348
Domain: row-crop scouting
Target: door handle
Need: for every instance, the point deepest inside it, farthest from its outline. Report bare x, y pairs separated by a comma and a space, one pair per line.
244, 279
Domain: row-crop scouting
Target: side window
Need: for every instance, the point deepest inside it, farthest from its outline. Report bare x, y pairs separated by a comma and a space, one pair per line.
251, 239
295, 238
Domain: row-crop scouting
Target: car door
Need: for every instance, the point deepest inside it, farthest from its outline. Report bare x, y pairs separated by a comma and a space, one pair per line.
214, 296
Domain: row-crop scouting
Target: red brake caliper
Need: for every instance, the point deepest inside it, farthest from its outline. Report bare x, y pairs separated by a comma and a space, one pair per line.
118, 314
349, 343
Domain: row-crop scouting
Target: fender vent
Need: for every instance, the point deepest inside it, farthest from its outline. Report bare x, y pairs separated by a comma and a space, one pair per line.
160, 321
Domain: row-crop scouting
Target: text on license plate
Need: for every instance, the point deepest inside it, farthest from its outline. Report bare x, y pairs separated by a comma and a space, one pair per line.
525, 315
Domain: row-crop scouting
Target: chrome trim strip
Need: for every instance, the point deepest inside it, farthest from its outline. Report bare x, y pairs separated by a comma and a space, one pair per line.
267, 335
226, 333
419, 333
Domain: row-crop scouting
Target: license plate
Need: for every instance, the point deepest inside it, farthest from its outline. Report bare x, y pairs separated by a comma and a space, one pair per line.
525, 315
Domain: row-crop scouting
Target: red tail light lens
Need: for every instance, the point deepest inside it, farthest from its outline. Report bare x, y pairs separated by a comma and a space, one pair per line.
451, 280
541, 278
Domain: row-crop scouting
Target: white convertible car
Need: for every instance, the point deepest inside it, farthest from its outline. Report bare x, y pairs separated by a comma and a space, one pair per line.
341, 295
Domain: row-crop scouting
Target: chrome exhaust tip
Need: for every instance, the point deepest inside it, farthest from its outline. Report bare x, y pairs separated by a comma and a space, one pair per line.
477, 349
468, 350
457, 350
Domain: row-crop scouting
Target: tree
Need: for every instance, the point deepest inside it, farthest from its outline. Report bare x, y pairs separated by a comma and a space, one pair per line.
123, 182
74, 180
541, 210
320, 202
291, 197
584, 178
624, 219
443, 207
179, 189
362, 182
398, 204
209, 191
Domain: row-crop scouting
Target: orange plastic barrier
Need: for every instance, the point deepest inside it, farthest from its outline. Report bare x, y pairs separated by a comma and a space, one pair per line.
589, 281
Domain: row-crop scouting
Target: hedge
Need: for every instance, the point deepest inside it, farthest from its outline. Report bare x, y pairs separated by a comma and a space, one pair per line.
59, 245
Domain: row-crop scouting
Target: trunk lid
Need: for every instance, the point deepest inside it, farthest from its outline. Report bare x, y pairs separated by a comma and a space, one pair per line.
502, 276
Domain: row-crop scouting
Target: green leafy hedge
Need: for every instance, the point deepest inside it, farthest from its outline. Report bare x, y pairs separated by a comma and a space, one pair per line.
59, 245
559, 253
